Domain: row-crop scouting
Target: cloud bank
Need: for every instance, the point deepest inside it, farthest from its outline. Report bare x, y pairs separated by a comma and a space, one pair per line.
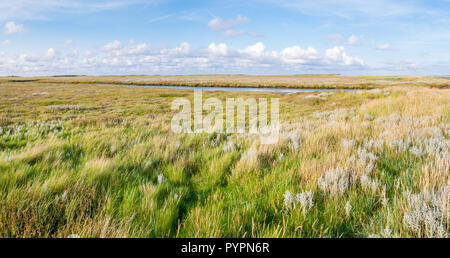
131, 58
13, 28
226, 27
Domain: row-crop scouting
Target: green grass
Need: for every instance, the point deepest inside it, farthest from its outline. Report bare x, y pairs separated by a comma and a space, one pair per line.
115, 169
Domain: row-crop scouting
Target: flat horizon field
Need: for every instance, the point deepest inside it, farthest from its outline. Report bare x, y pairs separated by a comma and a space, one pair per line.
306, 81
82, 160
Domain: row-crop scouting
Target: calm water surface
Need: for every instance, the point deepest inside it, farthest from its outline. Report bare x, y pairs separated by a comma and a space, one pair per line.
276, 90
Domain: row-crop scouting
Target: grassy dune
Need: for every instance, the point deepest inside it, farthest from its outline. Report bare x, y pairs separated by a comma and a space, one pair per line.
103, 162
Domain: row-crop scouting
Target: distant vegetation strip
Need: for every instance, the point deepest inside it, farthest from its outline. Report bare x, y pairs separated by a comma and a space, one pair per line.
248, 81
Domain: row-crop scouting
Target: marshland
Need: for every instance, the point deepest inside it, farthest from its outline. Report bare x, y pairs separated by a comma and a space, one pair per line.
79, 159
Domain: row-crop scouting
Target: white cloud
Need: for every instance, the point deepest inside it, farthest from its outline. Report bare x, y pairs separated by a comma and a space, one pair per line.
115, 45
218, 50
218, 24
6, 42
115, 48
383, 46
337, 55
335, 38
73, 52
88, 53
256, 50
183, 49
51, 53
410, 64
13, 28
299, 55
226, 27
232, 33
353, 40
139, 49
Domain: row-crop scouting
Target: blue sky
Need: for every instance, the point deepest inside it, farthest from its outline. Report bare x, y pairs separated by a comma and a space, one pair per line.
352, 37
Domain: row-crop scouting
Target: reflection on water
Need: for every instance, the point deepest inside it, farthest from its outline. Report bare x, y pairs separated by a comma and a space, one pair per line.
276, 90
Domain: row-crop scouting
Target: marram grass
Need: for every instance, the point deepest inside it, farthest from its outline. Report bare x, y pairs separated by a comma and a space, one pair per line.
103, 162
